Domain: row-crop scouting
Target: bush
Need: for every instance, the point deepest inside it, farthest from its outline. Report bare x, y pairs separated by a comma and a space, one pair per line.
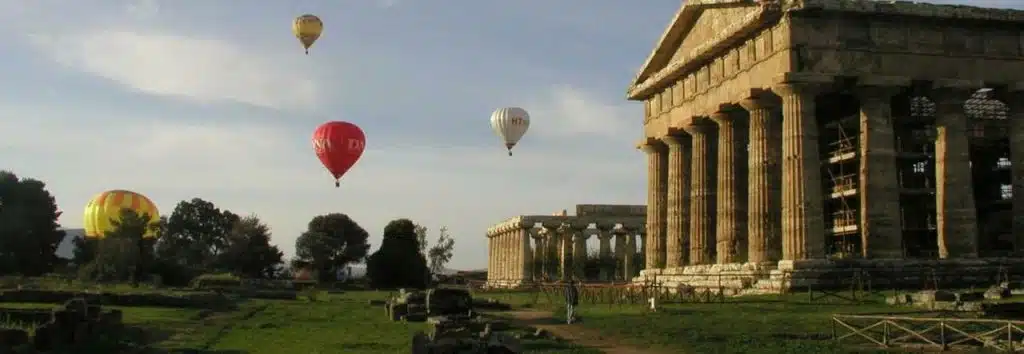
171, 273
216, 281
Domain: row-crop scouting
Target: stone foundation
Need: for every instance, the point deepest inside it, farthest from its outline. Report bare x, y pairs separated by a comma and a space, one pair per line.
761, 278
506, 284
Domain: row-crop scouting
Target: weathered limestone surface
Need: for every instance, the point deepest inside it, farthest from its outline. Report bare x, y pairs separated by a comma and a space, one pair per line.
764, 229
803, 229
1013, 96
955, 209
880, 224
731, 197
702, 192
657, 186
677, 242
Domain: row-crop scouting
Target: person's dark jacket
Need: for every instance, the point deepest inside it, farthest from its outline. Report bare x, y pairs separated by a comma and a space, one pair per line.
572, 295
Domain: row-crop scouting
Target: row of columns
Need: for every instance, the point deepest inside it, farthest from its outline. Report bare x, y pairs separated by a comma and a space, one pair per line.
511, 260
696, 175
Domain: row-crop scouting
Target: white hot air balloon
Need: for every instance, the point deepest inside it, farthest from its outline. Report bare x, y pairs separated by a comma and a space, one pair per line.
510, 123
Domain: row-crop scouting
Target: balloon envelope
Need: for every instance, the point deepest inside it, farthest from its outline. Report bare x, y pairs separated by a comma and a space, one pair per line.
510, 123
338, 145
307, 28
107, 206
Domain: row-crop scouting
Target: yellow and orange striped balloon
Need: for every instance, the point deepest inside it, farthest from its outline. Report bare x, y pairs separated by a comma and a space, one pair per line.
107, 205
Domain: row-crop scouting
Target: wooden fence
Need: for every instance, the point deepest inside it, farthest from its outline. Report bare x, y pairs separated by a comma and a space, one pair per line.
924, 333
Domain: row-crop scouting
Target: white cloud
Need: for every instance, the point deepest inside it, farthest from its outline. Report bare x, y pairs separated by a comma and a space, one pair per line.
387, 4
200, 69
569, 111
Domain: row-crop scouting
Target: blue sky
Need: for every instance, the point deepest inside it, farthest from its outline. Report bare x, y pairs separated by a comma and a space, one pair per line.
189, 98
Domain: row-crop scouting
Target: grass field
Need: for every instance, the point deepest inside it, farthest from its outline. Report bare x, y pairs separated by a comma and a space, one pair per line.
342, 323
752, 324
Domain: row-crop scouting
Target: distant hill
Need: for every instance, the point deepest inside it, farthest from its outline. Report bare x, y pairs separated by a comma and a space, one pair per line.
64, 250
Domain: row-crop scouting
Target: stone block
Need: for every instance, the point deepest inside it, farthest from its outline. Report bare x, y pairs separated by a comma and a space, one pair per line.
997, 293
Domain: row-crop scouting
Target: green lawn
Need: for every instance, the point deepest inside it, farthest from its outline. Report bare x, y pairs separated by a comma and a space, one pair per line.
753, 324
342, 323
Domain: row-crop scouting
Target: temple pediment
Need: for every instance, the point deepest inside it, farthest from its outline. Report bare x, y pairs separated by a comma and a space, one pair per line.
696, 27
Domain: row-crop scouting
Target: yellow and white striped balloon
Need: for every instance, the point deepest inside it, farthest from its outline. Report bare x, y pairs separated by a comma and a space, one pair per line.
107, 206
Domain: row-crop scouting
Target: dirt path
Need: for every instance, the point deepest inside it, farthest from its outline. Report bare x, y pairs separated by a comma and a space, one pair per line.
573, 333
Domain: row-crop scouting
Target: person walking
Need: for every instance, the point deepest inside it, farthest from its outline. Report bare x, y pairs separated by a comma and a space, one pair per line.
572, 298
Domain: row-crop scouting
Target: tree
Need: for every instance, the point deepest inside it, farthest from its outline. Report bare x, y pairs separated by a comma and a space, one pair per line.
83, 250
195, 234
441, 252
331, 242
29, 233
421, 236
398, 262
249, 252
124, 252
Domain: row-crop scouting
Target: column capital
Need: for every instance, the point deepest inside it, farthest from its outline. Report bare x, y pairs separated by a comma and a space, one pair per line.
699, 125
875, 87
651, 145
674, 140
605, 225
760, 99
948, 91
802, 83
725, 114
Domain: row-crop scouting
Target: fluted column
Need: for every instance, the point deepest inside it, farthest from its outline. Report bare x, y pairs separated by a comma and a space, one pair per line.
604, 250
657, 192
803, 227
526, 261
702, 191
954, 192
565, 252
552, 251
764, 243
1013, 97
677, 242
490, 258
620, 252
579, 254
538, 260
881, 225
731, 219
502, 257
628, 253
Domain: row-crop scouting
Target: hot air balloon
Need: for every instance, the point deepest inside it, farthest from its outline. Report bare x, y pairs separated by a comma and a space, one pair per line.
510, 123
307, 29
107, 205
338, 145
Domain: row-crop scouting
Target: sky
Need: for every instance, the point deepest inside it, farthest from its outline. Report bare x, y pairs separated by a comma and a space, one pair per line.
190, 98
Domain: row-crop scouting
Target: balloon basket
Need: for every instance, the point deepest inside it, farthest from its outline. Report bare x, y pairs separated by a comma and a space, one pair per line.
337, 184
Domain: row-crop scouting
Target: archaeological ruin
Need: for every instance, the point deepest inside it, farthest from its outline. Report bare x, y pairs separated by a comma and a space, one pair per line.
791, 139
528, 248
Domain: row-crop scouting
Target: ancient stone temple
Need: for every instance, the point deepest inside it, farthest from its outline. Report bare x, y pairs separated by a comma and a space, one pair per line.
804, 135
528, 248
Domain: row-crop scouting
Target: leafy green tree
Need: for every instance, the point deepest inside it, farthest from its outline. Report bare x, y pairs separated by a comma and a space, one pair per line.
249, 252
441, 252
195, 234
29, 233
421, 236
124, 253
398, 262
83, 250
331, 242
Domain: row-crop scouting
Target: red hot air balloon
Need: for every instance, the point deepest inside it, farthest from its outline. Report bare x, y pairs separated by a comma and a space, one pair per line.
338, 145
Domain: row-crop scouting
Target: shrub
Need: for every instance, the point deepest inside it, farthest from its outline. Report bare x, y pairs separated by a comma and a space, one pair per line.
216, 281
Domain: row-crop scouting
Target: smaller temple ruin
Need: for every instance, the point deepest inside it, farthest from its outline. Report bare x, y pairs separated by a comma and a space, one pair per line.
528, 248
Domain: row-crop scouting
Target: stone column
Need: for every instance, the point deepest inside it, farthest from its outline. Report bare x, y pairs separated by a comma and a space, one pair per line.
642, 247
604, 238
627, 254
803, 227
526, 260
731, 208
620, 252
657, 192
502, 257
538, 260
763, 178
677, 242
1013, 96
954, 192
490, 258
579, 254
551, 252
881, 225
565, 252
702, 191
